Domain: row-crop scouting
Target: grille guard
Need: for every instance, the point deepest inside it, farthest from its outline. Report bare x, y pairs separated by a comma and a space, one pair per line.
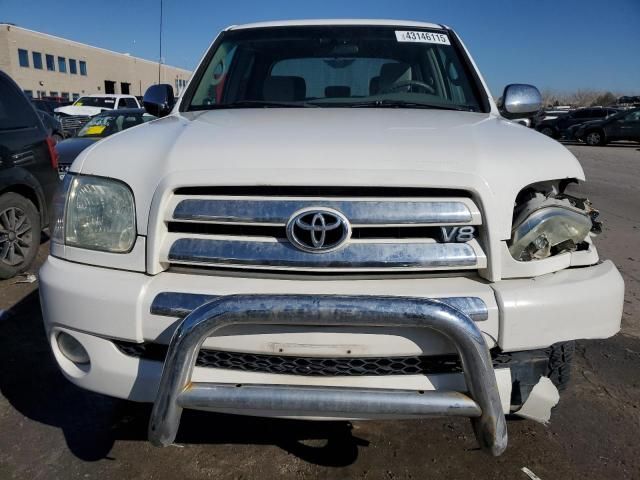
176, 391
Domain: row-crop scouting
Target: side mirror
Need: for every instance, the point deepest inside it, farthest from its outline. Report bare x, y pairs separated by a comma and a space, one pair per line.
520, 100
158, 100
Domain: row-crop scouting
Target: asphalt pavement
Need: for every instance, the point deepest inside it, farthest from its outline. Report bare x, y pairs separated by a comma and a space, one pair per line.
51, 429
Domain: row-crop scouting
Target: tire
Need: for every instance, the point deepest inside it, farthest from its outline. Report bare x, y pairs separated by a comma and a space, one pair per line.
19, 234
595, 138
559, 368
548, 131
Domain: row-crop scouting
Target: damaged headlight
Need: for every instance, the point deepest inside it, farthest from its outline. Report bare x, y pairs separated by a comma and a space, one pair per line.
547, 231
546, 226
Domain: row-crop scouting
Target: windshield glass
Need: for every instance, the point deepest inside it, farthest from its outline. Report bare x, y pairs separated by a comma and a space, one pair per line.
95, 102
105, 125
335, 66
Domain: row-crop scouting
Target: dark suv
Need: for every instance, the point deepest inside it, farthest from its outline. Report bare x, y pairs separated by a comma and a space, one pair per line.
558, 127
623, 126
28, 179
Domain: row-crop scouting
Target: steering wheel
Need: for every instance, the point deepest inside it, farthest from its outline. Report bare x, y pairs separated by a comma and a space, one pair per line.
409, 83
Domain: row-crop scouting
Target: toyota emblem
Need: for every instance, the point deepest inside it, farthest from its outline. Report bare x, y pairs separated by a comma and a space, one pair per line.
318, 230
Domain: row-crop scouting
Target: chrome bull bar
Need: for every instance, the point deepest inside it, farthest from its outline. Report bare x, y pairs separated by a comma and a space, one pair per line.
176, 391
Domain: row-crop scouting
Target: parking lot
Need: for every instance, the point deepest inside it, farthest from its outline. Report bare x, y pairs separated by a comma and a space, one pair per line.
54, 430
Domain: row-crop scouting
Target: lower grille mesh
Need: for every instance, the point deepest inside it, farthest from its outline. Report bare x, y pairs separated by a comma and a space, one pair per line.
308, 366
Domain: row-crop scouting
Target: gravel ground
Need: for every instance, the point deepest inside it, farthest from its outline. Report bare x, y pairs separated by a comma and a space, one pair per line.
51, 429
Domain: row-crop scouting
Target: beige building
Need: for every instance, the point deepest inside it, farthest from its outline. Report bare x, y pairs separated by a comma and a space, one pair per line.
44, 65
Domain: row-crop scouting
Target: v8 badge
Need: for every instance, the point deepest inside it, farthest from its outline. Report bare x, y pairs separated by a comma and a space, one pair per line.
457, 234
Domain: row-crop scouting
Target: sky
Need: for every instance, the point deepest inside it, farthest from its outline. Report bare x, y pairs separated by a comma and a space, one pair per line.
561, 45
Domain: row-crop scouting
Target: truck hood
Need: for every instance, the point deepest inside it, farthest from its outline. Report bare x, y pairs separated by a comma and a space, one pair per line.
69, 149
482, 153
80, 110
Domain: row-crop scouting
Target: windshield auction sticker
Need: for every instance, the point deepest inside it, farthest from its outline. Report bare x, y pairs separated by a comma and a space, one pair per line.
422, 37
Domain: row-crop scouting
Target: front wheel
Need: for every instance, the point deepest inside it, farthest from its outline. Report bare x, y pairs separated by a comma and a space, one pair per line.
19, 234
548, 131
559, 368
595, 138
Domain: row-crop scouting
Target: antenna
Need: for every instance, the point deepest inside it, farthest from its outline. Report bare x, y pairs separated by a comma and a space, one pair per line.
160, 60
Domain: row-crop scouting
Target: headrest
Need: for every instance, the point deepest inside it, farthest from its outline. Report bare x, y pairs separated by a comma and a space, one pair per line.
337, 91
284, 89
374, 85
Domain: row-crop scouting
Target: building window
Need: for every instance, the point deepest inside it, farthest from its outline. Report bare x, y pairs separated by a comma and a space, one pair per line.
53, 94
51, 63
23, 57
62, 65
75, 96
109, 87
83, 68
42, 93
73, 69
37, 60
29, 93
65, 96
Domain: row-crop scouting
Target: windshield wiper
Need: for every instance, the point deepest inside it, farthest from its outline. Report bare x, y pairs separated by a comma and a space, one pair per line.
405, 104
255, 104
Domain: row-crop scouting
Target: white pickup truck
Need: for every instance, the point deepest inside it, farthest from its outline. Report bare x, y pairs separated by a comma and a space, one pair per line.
335, 221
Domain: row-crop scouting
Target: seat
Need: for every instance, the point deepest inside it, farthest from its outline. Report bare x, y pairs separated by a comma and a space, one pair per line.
374, 85
337, 91
393, 73
131, 122
284, 89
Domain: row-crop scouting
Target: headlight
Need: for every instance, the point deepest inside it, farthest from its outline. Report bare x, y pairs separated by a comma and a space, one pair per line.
95, 213
548, 231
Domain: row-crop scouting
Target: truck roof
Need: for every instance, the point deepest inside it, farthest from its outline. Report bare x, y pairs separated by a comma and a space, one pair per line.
110, 95
298, 23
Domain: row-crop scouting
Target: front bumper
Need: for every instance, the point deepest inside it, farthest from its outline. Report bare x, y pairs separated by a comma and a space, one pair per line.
96, 305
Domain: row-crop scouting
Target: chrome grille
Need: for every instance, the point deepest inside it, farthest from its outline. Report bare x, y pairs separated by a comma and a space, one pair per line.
71, 124
359, 212
388, 233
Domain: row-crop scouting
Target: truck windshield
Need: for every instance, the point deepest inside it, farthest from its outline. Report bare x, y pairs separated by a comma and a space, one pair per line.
335, 66
95, 102
104, 124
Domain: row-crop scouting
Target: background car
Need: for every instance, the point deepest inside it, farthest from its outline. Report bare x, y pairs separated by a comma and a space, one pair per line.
549, 114
99, 127
623, 126
558, 127
74, 116
45, 105
28, 179
53, 126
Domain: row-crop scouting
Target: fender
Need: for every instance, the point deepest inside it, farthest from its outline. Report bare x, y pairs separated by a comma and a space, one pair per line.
20, 180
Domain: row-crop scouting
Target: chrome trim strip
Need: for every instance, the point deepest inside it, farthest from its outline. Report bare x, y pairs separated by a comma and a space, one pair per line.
339, 401
354, 256
179, 304
268, 211
327, 310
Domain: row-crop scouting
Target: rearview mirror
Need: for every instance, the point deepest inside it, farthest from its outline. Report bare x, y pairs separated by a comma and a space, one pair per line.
158, 100
520, 100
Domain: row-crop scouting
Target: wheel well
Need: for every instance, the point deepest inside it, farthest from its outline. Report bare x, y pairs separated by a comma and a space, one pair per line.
26, 192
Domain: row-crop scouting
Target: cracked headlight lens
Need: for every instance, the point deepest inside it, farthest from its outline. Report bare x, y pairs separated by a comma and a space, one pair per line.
548, 231
100, 215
